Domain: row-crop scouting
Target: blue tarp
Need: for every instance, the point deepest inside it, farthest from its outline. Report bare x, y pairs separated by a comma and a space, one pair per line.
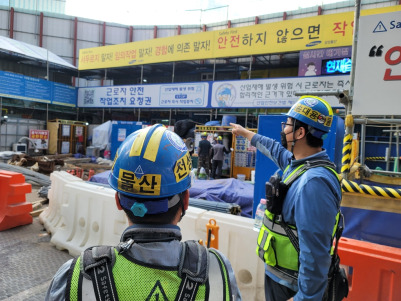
101, 177
372, 226
223, 190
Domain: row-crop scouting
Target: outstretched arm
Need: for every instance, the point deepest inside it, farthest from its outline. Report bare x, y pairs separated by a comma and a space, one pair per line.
238, 130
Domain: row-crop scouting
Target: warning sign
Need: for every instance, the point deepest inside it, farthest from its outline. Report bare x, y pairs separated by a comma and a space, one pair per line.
377, 87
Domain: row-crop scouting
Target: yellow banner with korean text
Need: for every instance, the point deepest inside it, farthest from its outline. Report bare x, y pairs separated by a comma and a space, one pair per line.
324, 31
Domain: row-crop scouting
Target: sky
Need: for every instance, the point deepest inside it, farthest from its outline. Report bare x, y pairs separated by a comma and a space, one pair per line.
181, 12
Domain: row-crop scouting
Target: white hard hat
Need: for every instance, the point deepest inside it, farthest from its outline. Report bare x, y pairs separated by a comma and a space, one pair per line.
216, 135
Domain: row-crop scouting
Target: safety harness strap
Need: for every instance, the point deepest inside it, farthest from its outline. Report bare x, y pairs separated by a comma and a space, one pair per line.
193, 270
97, 263
291, 178
304, 167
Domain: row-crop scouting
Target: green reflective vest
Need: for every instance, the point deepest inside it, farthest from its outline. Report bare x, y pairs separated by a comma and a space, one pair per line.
139, 281
274, 246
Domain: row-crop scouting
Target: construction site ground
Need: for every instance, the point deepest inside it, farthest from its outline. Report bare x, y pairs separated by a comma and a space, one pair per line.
28, 260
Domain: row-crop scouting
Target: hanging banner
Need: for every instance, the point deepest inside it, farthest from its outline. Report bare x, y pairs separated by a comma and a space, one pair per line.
274, 92
377, 87
324, 31
183, 95
23, 87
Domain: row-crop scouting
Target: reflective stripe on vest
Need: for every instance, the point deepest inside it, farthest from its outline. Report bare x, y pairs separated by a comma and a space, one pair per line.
273, 245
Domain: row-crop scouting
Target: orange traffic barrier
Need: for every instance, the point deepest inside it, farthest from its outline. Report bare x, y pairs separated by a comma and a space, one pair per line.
91, 174
78, 172
212, 232
14, 210
375, 270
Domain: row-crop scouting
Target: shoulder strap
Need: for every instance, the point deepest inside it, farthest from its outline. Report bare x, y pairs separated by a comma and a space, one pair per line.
308, 165
97, 264
193, 270
291, 178
219, 278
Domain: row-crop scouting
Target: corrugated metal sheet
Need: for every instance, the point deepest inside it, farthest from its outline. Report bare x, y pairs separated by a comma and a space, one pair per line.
26, 38
234, 25
190, 30
166, 32
90, 32
143, 34
4, 20
217, 27
271, 20
81, 44
116, 35
26, 23
55, 27
63, 47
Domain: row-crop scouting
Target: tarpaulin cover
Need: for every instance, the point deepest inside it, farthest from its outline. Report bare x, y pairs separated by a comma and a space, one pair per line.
101, 177
101, 135
223, 190
372, 226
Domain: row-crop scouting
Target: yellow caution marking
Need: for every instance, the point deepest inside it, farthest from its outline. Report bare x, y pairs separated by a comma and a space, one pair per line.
137, 146
153, 145
182, 167
115, 159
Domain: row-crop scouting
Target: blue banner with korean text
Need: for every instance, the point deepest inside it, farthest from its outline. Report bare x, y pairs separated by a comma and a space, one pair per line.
274, 92
182, 95
23, 87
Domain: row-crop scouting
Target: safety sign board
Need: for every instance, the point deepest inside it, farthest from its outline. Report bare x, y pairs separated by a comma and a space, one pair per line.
377, 86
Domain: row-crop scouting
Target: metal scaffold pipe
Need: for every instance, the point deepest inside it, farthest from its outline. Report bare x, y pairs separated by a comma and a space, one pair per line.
349, 123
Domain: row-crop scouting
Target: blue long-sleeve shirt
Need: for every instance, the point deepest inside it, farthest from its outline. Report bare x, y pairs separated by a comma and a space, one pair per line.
311, 203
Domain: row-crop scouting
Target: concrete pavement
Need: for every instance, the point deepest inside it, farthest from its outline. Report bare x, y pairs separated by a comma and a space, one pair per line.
27, 260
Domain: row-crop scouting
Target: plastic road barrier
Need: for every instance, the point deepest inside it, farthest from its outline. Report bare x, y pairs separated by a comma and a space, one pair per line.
81, 215
51, 217
14, 210
376, 270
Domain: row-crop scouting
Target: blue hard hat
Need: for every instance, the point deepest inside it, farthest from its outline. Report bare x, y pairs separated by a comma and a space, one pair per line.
315, 112
151, 163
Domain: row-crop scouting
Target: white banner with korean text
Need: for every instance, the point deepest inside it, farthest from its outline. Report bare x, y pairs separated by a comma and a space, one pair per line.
377, 89
274, 92
183, 95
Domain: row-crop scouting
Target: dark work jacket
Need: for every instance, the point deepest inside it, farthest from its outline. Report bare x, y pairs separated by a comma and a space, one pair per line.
204, 148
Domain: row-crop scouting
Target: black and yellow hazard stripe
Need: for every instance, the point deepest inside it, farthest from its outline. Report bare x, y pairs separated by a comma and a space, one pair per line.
346, 159
374, 158
378, 158
350, 186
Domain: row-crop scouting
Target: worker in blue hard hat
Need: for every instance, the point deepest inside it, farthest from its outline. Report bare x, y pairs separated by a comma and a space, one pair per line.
302, 215
151, 176
204, 155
